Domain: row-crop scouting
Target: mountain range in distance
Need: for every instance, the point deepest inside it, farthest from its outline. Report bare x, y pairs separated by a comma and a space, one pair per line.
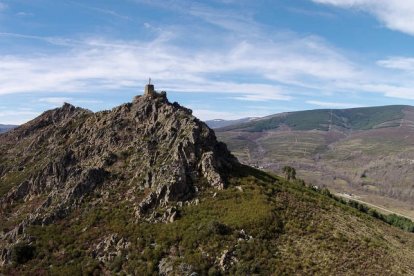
5, 128
218, 123
361, 118
365, 152
146, 188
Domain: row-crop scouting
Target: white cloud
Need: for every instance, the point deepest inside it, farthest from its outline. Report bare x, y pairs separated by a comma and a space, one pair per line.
279, 69
110, 12
59, 101
248, 64
395, 14
277, 65
17, 117
332, 104
209, 114
225, 19
309, 12
96, 64
391, 90
400, 63
55, 101
251, 91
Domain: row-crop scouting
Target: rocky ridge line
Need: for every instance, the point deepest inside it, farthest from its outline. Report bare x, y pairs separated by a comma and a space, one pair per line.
156, 150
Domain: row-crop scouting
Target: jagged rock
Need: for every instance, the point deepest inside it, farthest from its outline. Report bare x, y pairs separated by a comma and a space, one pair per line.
5, 256
110, 248
166, 266
186, 269
156, 150
171, 215
227, 259
209, 170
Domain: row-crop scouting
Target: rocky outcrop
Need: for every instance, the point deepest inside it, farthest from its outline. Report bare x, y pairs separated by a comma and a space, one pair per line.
110, 248
157, 151
227, 260
167, 267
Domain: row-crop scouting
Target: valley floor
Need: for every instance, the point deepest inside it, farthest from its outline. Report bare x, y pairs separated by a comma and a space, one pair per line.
375, 165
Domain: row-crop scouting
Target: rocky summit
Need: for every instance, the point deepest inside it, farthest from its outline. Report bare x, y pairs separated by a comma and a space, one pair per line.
151, 151
146, 189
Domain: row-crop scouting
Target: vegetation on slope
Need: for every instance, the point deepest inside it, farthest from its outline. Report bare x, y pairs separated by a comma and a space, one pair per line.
261, 224
392, 219
321, 119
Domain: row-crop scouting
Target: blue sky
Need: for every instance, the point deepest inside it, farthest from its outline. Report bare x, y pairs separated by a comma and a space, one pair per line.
222, 58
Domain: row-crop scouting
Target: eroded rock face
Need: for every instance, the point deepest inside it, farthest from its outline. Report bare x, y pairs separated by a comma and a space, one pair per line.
110, 248
157, 151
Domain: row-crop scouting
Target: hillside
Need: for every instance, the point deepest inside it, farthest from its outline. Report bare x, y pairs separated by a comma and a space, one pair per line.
325, 119
367, 152
5, 128
146, 189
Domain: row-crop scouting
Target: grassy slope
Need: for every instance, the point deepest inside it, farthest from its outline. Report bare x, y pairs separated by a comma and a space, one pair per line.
354, 118
294, 230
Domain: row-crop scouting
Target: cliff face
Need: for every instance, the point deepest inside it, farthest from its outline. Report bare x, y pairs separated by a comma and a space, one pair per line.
148, 153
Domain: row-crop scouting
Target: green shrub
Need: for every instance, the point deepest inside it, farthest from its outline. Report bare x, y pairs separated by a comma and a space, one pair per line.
215, 227
22, 253
401, 222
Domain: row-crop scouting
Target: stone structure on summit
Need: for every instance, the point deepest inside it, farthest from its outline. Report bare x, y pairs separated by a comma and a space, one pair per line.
150, 91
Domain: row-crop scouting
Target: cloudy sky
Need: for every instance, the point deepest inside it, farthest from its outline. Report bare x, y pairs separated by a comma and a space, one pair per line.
222, 58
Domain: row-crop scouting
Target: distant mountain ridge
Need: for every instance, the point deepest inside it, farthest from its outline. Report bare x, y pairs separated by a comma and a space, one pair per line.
367, 151
5, 128
218, 123
362, 118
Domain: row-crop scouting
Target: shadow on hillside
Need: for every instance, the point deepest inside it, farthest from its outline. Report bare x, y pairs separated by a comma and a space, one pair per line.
244, 171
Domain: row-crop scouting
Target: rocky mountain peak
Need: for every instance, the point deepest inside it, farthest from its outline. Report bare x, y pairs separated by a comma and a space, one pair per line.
149, 153
48, 120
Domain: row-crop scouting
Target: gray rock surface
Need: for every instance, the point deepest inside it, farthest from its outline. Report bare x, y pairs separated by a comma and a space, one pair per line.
155, 150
